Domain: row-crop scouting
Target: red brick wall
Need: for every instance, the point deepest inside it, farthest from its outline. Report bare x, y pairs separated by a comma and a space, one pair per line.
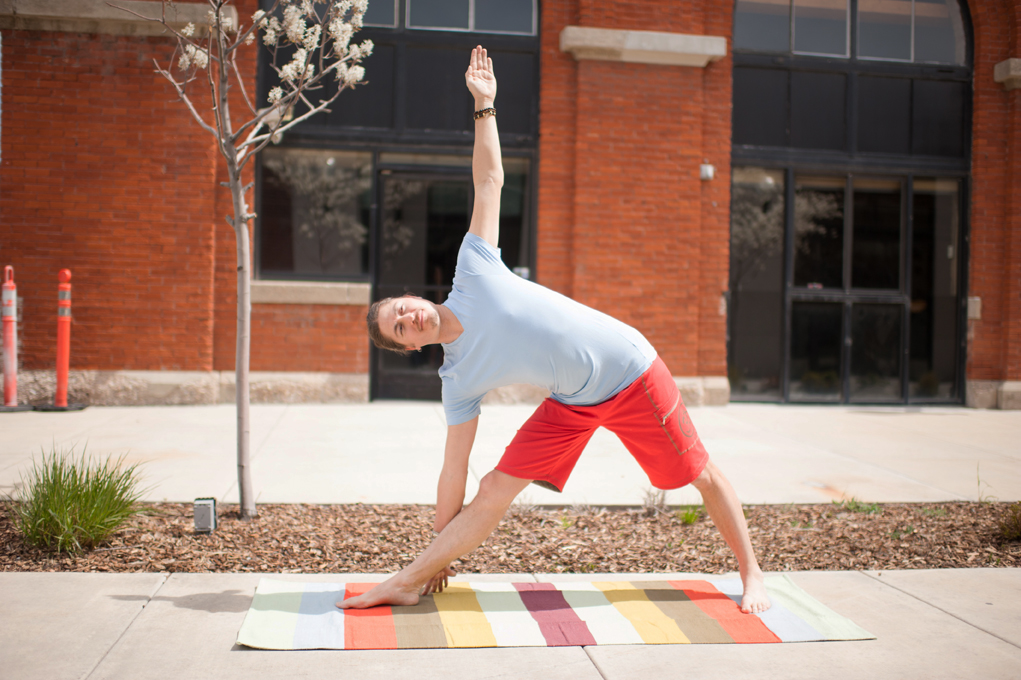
996, 181
104, 173
715, 204
1011, 336
648, 242
284, 337
309, 338
558, 92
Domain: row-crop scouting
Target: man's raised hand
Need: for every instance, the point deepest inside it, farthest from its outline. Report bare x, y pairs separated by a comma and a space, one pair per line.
480, 78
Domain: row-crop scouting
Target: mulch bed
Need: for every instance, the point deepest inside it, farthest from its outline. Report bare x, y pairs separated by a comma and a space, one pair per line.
383, 538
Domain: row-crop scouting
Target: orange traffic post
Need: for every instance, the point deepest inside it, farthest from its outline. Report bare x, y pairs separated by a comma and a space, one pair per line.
63, 346
63, 336
10, 316
10, 322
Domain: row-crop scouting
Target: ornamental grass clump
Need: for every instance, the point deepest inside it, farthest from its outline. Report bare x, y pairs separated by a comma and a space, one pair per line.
1009, 524
70, 503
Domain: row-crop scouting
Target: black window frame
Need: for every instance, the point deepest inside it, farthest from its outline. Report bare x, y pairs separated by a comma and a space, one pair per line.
400, 139
851, 163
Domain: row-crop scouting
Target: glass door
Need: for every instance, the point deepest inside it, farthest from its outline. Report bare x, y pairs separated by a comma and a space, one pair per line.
844, 288
422, 219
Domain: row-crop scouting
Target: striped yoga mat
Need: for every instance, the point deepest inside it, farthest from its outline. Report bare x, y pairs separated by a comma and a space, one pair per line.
296, 615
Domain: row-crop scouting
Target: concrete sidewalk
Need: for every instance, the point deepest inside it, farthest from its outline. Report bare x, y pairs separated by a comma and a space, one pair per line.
929, 624
391, 452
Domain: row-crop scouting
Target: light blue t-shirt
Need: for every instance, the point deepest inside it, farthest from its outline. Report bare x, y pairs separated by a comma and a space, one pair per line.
516, 331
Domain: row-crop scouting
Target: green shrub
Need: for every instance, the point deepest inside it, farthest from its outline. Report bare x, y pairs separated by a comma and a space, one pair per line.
855, 505
1010, 523
689, 514
71, 503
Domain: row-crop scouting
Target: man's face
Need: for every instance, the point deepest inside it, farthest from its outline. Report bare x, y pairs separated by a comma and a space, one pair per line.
410, 321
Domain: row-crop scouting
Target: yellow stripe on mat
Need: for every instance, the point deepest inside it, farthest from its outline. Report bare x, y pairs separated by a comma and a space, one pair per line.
464, 622
655, 627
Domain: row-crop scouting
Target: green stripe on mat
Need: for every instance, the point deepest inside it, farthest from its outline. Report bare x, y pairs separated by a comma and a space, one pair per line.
830, 625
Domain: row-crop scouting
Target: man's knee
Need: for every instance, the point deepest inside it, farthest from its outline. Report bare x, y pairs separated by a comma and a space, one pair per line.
707, 478
499, 489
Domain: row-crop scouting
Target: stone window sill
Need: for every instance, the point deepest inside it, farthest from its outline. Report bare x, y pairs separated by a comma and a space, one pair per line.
96, 16
644, 47
309, 293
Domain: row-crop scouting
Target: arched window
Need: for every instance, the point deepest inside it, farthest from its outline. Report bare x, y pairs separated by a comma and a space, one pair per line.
851, 139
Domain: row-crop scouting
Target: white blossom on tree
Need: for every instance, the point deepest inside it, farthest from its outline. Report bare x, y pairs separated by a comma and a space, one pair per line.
314, 60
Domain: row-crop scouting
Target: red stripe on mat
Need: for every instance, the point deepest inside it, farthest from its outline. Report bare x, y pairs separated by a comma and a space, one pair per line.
558, 623
742, 627
368, 628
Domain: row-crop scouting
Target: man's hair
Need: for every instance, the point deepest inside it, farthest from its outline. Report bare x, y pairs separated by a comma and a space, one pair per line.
378, 339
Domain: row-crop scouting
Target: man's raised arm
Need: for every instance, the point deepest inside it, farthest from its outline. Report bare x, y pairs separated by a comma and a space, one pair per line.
487, 164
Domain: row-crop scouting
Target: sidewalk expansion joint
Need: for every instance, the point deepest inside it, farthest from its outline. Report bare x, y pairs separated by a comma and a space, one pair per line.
164, 576
948, 613
595, 664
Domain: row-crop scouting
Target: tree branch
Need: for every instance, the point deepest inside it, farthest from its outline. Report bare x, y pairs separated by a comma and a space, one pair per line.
241, 82
184, 97
180, 36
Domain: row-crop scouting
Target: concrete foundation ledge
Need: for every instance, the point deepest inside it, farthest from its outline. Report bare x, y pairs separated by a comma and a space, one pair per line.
174, 388
1008, 397
99, 16
708, 390
981, 393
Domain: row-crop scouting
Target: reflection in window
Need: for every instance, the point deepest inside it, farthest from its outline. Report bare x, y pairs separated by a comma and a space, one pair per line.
934, 303
482, 16
875, 246
381, 13
451, 14
315, 213
819, 231
939, 32
884, 29
820, 27
876, 352
755, 309
763, 25
925, 31
816, 342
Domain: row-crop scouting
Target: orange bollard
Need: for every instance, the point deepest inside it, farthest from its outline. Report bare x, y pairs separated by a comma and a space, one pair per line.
63, 346
10, 317
63, 337
10, 322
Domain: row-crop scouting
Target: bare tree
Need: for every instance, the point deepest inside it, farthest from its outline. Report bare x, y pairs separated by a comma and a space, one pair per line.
314, 60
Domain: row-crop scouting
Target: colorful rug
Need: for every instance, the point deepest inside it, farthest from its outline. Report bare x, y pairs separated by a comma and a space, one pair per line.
296, 615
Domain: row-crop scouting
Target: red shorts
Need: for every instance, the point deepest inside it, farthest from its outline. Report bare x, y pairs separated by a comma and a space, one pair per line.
648, 416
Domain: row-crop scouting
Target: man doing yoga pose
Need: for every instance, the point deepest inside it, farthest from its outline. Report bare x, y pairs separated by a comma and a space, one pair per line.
499, 329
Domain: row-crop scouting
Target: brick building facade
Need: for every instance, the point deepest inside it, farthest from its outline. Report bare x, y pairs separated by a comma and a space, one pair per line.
103, 172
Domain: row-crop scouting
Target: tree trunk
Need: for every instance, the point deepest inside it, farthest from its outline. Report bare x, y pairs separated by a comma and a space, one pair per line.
243, 350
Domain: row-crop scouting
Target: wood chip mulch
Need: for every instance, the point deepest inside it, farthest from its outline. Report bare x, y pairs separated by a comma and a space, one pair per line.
384, 538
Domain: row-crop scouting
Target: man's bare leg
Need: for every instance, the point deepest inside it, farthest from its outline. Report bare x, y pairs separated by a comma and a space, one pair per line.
465, 532
725, 510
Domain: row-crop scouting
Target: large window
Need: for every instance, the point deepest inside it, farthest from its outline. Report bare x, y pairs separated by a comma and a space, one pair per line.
315, 213
319, 211
921, 31
850, 156
866, 319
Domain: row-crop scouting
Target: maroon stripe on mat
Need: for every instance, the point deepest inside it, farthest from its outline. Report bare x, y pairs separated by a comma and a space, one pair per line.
557, 621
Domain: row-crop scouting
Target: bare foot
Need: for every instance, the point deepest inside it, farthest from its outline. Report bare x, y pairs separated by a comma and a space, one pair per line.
755, 599
387, 592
